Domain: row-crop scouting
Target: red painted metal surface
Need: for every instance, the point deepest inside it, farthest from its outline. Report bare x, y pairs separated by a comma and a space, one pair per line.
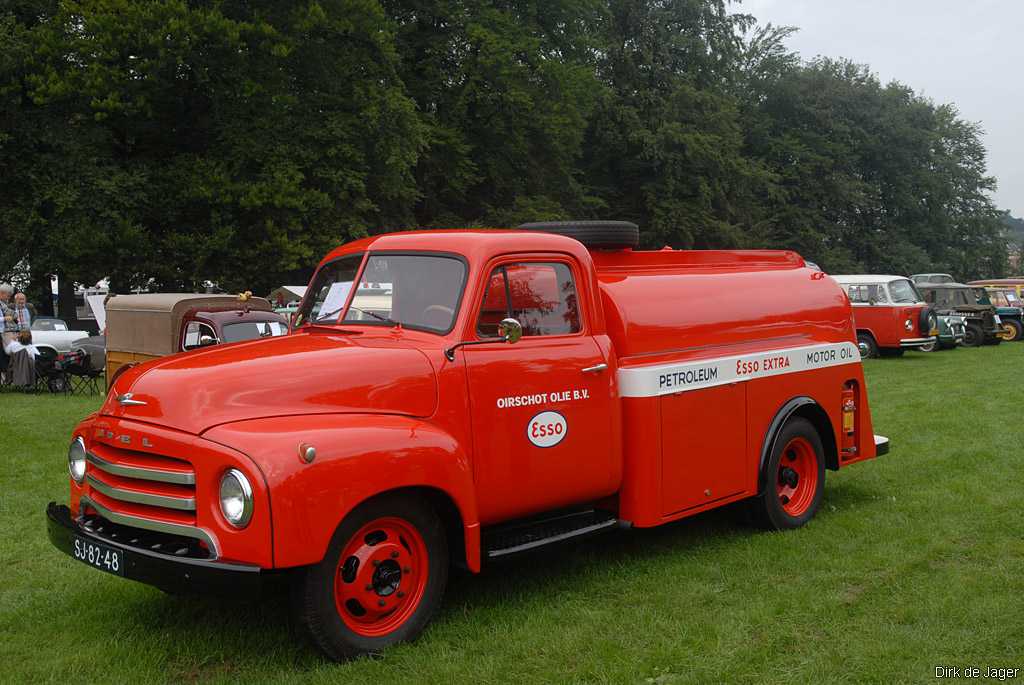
502, 430
797, 477
381, 576
887, 322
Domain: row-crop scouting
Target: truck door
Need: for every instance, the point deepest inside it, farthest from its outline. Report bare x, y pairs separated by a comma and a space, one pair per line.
541, 408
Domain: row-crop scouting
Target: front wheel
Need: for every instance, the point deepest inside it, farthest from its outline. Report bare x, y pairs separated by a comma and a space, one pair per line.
930, 347
866, 345
380, 582
973, 335
794, 478
1012, 330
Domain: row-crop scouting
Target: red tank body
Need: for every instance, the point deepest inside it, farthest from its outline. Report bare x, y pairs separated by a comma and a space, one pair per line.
478, 391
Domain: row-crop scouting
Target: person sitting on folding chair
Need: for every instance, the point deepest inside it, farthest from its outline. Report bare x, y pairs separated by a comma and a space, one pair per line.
22, 354
22, 342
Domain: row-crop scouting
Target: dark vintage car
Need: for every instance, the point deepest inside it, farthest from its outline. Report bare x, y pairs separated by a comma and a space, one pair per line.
144, 327
983, 325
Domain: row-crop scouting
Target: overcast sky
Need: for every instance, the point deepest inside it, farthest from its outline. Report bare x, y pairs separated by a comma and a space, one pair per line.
966, 52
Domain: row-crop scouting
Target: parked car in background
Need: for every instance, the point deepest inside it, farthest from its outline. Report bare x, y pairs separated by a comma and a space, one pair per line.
889, 313
1015, 284
144, 327
921, 279
48, 331
1008, 307
982, 322
952, 330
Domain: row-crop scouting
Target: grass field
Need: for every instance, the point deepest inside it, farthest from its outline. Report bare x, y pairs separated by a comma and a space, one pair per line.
914, 561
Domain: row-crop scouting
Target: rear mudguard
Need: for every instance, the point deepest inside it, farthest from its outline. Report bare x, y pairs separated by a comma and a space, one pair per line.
357, 457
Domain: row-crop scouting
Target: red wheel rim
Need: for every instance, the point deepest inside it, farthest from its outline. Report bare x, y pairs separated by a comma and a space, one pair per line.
797, 480
381, 576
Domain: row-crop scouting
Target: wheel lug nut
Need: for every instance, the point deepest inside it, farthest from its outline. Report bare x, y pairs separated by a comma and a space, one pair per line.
400, 594
380, 602
394, 555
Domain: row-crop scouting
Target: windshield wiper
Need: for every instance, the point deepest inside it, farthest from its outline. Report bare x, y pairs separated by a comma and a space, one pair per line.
328, 315
375, 315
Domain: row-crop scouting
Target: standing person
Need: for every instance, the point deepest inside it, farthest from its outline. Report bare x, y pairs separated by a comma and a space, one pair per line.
10, 323
22, 313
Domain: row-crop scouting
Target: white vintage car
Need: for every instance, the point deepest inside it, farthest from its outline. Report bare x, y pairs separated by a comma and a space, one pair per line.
51, 332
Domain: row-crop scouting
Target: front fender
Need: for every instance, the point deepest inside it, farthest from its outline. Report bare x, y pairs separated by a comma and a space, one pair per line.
357, 456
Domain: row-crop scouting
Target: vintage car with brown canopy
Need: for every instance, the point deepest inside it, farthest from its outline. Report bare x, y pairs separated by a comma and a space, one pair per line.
144, 327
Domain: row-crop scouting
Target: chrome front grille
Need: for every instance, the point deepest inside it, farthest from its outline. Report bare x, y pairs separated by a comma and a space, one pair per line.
143, 490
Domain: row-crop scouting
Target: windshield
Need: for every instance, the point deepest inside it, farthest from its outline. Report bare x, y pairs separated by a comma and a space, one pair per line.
953, 297
414, 290
903, 291
251, 330
329, 291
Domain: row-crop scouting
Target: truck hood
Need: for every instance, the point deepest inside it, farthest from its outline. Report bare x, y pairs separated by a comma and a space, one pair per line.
309, 373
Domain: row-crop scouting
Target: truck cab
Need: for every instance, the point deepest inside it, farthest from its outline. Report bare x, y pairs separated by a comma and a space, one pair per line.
458, 396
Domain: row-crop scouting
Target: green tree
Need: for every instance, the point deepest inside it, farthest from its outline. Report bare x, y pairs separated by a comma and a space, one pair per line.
178, 142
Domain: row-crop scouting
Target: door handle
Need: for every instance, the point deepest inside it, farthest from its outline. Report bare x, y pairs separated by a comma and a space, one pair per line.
596, 368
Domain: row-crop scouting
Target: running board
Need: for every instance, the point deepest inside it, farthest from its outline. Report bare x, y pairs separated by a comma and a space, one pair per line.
522, 536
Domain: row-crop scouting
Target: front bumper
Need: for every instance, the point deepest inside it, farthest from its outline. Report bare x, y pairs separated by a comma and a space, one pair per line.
160, 570
909, 343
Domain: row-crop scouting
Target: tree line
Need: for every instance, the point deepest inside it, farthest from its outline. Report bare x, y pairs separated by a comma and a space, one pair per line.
176, 142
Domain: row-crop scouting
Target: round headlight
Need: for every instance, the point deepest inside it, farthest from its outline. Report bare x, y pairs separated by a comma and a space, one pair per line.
908, 324
76, 459
236, 498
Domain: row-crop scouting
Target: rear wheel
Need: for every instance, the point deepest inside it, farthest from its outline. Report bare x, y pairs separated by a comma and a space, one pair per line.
1011, 330
380, 582
866, 345
794, 478
973, 335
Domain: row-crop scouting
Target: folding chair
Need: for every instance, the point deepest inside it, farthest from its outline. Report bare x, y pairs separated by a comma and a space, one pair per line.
50, 377
82, 378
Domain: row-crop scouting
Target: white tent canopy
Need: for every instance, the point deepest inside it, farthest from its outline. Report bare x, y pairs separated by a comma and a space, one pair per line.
288, 293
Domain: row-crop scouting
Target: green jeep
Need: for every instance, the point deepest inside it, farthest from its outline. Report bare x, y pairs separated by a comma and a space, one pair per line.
983, 325
1008, 307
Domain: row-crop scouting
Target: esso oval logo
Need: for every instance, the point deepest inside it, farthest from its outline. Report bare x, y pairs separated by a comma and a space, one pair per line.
547, 429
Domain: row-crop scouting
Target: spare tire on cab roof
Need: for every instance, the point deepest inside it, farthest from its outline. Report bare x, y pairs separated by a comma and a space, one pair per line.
606, 235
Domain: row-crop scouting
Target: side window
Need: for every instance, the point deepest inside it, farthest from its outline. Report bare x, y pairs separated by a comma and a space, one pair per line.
540, 295
194, 333
866, 293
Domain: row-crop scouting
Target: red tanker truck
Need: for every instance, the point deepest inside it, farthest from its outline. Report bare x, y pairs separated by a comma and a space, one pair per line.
457, 396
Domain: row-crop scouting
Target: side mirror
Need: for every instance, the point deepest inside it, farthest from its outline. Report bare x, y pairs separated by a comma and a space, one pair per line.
207, 340
510, 330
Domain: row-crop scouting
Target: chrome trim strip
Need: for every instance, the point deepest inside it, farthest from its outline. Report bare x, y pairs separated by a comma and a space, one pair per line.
915, 342
159, 475
168, 501
495, 553
150, 524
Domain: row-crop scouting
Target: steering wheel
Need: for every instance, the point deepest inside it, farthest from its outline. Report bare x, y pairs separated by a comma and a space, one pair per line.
448, 312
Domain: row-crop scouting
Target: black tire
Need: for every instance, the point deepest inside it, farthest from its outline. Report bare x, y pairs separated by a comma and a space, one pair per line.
313, 594
973, 336
927, 321
608, 235
866, 345
767, 508
1018, 330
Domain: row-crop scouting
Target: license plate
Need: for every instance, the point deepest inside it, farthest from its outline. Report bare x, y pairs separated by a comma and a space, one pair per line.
98, 556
